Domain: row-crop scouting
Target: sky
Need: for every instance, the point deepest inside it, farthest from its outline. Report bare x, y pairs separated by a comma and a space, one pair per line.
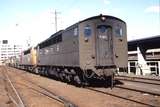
32, 21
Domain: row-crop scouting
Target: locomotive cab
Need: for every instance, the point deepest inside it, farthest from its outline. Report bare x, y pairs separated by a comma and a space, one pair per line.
102, 46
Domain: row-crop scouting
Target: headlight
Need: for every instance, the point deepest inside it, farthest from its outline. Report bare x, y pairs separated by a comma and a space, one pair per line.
103, 18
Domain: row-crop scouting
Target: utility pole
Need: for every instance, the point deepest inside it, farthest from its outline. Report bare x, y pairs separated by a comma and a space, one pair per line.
28, 42
55, 13
56, 25
55, 20
14, 49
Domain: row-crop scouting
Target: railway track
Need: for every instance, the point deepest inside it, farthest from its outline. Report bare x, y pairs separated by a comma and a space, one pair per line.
104, 91
138, 79
139, 84
138, 90
52, 95
44, 91
131, 88
12, 91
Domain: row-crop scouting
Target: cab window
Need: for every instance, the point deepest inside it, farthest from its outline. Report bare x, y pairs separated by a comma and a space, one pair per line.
103, 31
102, 28
119, 31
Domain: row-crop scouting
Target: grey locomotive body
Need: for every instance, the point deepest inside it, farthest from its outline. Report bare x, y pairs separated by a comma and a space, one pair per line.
90, 49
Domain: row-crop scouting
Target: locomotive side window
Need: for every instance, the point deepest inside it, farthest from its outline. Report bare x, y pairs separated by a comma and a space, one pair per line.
46, 51
119, 31
76, 31
57, 48
40, 52
87, 31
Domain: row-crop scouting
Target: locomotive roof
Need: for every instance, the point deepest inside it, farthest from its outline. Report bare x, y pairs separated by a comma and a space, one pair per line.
91, 18
27, 51
55, 34
107, 16
94, 17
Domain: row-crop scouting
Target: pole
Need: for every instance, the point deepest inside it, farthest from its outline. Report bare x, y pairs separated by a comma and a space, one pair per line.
55, 20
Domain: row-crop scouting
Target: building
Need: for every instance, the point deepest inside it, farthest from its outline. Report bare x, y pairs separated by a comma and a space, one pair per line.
144, 56
8, 50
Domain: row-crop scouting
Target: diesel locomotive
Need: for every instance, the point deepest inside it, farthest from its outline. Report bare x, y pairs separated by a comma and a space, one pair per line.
90, 50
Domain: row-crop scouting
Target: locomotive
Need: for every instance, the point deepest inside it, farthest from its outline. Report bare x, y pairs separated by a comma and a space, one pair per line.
90, 50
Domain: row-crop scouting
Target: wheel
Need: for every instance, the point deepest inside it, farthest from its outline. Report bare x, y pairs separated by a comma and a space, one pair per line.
77, 80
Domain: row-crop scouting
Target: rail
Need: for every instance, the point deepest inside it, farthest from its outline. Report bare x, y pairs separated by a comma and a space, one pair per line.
17, 100
49, 93
136, 77
151, 81
55, 96
139, 90
121, 97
